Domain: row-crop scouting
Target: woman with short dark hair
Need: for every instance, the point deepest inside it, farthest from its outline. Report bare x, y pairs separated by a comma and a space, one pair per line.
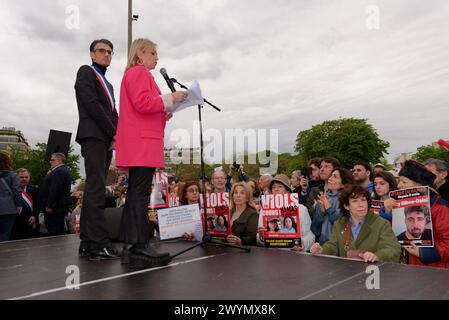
360, 233
327, 209
190, 193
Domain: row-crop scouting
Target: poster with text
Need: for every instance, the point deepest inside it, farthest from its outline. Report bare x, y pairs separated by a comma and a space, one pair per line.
376, 205
412, 219
280, 220
175, 221
218, 215
159, 191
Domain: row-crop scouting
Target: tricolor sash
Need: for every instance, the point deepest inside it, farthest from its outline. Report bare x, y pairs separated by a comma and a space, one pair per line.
105, 86
27, 201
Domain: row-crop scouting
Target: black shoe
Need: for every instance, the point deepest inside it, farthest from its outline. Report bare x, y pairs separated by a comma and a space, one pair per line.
149, 252
148, 258
103, 254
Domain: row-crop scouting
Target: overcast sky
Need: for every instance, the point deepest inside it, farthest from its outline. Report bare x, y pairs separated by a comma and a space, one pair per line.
269, 64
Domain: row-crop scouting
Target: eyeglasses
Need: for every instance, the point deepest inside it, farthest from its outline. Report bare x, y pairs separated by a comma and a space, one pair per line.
193, 191
103, 51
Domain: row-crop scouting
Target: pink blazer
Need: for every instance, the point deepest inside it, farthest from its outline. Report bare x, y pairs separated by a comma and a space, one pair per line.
141, 122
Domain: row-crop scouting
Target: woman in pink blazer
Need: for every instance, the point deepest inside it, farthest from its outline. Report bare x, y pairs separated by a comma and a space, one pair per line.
140, 147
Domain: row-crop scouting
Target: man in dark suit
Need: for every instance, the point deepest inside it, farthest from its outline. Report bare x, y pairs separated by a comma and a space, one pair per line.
54, 195
96, 135
26, 224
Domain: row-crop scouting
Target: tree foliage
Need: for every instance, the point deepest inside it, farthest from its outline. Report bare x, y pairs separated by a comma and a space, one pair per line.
186, 172
426, 152
34, 161
349, 140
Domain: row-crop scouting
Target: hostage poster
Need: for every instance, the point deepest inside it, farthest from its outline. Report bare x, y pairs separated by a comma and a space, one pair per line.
218, 215
280, 220
159, 191
412, 220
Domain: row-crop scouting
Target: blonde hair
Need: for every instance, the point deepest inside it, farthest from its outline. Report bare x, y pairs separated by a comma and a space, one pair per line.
141, 45
249, 196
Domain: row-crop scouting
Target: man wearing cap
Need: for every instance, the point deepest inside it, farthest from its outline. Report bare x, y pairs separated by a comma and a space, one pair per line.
378, 167
415, 174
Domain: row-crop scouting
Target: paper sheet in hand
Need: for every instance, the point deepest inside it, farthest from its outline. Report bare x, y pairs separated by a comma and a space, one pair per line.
173, 222
194, 98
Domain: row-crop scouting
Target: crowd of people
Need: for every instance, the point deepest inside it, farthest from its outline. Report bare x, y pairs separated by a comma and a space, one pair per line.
335, 215
334, 205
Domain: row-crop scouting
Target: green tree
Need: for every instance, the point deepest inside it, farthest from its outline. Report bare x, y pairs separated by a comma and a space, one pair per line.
349, 140
34, 161
425, 152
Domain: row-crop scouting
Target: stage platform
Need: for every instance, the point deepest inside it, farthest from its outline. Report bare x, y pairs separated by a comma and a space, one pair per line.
36, 269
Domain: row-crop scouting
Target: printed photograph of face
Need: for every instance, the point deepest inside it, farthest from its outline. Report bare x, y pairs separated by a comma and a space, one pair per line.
415, 227
273, 225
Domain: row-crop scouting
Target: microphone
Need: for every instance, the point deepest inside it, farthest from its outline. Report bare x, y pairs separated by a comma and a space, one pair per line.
167, 79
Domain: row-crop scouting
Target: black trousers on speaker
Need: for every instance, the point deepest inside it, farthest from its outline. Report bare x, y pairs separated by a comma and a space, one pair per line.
134, 226
93, 228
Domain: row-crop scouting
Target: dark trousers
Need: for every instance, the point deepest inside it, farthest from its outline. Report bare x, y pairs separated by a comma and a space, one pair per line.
55, 223
93, 228
6, 224
134, 226
22, 229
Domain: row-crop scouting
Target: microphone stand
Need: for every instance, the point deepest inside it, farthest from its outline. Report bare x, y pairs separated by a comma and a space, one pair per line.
207, 237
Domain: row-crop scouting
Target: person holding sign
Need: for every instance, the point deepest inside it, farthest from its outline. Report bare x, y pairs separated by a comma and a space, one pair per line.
281, 185
415, 174
360, 233
384, 182
140, 146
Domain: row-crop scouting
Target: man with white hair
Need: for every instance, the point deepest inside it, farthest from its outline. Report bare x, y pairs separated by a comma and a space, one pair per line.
219, 181
264, 183
54, 195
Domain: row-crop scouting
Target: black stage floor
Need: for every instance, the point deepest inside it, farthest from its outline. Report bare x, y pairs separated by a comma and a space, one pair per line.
36, 269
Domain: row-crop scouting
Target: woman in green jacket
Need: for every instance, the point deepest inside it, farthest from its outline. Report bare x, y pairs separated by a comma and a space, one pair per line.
360, 233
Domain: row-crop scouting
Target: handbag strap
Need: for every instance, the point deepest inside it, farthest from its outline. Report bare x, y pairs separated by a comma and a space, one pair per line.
347, 235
